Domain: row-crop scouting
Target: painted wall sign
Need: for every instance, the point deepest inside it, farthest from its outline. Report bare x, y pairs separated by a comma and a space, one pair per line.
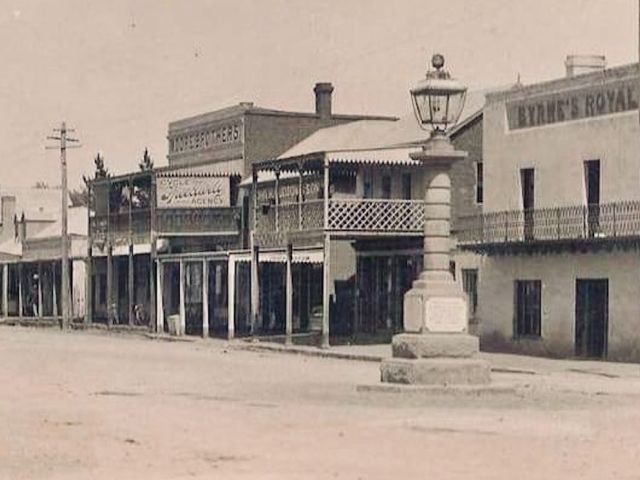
193, 192
592, 101
204, 138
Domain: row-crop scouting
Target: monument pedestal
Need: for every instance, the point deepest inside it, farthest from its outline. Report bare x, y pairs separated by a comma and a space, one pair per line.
435, 350
435, 371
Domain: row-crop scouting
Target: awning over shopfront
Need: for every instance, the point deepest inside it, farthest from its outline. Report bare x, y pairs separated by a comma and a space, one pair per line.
118, 250
280, 256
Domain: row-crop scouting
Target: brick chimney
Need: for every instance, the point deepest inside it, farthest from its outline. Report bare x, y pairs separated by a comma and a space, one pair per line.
323, 91
579, 64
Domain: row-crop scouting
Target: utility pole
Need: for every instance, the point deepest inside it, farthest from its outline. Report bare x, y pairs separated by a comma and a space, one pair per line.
64, 237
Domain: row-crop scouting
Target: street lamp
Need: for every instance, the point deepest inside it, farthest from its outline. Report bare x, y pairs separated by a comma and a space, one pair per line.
438, 99
435, 348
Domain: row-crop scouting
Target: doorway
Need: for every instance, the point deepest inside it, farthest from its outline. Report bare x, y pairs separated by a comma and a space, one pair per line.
592, 184
592, 317
528, 200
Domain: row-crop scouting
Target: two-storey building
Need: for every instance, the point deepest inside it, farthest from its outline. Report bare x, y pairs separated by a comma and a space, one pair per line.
561, 221
337, 228
160, 239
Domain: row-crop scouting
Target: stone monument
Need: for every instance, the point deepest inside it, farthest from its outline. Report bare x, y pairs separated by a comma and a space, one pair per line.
435, 348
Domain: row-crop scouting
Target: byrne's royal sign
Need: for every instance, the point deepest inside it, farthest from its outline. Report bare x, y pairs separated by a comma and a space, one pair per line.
592, 101
193, 192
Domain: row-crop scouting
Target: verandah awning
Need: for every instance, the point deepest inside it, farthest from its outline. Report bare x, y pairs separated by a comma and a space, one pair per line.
383, 156
299, 256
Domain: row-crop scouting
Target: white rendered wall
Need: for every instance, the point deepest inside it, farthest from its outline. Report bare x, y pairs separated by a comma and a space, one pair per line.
558, 152
558, 273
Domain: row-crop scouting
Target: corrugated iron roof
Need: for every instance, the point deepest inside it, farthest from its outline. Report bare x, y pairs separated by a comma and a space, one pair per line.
374, 134
381, 156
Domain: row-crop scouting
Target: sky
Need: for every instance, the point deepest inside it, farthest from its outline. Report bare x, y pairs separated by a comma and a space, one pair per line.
119, 71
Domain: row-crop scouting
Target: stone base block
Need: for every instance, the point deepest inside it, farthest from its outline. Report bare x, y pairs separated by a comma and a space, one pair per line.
430, 391
435, 371
431, 345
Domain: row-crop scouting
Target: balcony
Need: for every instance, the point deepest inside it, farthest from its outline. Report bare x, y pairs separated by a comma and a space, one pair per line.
561, 226
119, 228
198, 221
376, 216
349, 217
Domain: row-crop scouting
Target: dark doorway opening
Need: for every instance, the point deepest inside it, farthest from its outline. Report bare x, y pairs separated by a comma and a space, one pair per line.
592, 317
592, 184
528, 200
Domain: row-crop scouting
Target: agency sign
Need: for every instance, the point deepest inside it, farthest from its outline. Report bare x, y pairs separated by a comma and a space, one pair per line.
592, 101
193, 192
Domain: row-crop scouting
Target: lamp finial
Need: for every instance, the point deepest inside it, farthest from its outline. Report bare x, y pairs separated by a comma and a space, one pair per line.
437, 61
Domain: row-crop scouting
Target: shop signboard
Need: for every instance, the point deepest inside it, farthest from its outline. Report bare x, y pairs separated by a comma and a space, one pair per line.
602, 98
193, 191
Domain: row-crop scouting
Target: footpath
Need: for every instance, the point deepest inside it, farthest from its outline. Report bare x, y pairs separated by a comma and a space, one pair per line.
588, 376
500, 362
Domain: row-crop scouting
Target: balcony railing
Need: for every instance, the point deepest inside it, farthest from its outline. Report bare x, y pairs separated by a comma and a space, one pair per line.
367, 216
593, 222
198, 221
176, 222
116, 226
376, 215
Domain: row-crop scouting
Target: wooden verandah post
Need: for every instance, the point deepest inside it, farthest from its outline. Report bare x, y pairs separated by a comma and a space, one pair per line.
326, 271
130, 263
159, 325
231, 298
205, 298
289, 296
88, 285
183, 310
155, 291
255, 258
20, 291
5, 290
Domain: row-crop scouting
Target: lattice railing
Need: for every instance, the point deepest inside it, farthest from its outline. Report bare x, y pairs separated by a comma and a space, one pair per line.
605, 221
376, 215
345, 215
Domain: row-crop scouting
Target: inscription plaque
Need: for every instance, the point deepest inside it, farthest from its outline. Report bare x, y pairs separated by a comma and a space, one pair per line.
446, 315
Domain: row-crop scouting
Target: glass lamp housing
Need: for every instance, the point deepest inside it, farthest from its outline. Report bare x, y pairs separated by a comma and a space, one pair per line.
438, 99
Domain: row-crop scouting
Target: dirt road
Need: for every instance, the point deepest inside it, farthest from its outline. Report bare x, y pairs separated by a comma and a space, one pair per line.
85, 405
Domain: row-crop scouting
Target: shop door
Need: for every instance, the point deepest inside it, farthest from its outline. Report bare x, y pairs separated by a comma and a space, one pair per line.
592, 312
